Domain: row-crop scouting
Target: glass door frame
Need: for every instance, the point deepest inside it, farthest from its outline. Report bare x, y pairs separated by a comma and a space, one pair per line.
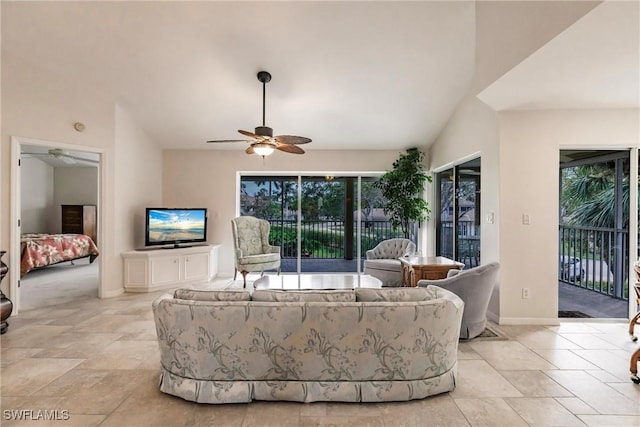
454, 171
299, 176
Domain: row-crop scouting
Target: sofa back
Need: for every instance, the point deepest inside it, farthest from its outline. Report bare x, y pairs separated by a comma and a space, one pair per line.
320, 341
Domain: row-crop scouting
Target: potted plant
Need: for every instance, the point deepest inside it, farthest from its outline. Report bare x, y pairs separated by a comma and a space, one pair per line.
402, 188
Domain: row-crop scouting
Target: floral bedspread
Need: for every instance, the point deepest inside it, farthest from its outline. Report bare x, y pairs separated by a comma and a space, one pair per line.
40, 250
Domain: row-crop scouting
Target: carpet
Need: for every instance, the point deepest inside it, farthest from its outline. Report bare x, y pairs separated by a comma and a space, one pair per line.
59, 284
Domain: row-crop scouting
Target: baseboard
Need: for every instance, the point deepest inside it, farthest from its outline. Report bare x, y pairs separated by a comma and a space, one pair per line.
110, 294
528, 321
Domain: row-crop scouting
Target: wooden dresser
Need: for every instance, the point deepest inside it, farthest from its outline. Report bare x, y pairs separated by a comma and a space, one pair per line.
80, 219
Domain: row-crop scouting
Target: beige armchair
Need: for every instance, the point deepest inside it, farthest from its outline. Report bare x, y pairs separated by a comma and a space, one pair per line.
252, 249
474, 287
382, 261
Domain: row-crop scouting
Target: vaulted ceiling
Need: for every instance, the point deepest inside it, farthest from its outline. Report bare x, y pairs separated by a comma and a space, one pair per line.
349, 75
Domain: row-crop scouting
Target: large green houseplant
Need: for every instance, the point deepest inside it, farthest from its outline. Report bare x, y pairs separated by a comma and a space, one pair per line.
402, 188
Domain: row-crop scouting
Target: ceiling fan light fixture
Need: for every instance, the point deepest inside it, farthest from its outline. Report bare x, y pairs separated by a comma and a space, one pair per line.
263, 148
263, 143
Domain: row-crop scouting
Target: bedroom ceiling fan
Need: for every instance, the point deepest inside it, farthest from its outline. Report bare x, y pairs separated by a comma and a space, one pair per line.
62, 155
262, 141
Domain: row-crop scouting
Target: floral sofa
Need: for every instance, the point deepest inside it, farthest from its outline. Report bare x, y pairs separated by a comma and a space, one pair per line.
363, 345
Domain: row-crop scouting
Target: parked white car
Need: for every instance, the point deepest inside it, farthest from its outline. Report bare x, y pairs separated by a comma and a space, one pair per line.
571, 269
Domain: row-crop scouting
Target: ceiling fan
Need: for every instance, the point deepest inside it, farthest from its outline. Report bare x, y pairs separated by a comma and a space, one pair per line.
262, 140
64, 156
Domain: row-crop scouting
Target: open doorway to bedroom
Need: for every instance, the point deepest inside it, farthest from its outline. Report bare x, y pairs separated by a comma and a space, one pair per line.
57, 196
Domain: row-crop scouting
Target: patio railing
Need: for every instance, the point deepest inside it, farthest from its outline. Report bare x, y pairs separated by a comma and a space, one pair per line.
595, 258
325, 239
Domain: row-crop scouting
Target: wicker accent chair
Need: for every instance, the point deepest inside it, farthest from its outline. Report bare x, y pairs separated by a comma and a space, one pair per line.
382, 261
252, 249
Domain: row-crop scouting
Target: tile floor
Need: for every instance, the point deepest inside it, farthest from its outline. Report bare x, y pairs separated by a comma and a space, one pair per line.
98, 360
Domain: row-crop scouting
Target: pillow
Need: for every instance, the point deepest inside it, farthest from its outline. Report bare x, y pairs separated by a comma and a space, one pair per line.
304, 296
202, 295
394, 294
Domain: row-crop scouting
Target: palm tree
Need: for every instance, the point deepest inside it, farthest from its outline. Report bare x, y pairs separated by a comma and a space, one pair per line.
588, 195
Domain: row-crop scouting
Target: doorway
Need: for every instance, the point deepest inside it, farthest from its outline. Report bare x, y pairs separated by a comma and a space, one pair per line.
45, 177
593, 259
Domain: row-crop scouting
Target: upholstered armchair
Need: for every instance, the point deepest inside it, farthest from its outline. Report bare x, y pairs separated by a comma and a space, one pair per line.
382, 261
252, 249
474, 287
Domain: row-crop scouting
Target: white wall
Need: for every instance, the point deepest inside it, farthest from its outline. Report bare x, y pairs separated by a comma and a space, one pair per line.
37, 196
473, 132
207, 178
139, 180
520, 161
530, 142
73, 186
39, 105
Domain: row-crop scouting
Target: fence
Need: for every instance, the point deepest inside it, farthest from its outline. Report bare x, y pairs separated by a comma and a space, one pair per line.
468, 242
595, 258
325, 239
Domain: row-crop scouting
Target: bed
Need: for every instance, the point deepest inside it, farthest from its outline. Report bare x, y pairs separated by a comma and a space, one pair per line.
41, 250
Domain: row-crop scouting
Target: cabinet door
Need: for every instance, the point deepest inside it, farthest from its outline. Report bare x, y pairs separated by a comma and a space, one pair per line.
196, 266
165, 270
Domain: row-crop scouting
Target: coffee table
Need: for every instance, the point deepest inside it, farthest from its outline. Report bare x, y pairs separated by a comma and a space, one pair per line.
317, 281
431, 268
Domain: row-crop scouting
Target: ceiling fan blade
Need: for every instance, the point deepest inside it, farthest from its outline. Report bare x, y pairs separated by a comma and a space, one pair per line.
62, 156
228, 140
293, 149
249, 150
80, 159
290, 139
252, 135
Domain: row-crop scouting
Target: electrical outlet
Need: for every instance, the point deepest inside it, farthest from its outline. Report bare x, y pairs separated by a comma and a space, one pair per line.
525, 293
526, 219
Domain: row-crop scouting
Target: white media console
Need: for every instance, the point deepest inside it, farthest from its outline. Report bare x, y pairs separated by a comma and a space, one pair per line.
151, 270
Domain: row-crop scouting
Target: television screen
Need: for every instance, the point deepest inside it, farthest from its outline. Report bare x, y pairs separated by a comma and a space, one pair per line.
165, 226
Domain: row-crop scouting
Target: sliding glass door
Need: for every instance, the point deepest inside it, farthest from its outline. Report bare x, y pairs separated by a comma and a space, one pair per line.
322, 223
458, 213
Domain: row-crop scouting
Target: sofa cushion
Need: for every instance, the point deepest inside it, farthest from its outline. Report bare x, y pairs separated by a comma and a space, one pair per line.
204, 295
304, 296
395, 294
383, 264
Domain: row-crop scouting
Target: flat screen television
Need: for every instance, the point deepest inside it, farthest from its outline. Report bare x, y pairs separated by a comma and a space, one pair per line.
175, 227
